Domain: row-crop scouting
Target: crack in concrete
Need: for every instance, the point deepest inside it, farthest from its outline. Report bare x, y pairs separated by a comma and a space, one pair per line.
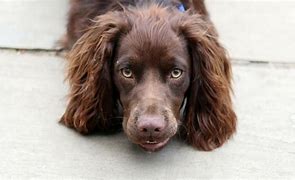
235, 61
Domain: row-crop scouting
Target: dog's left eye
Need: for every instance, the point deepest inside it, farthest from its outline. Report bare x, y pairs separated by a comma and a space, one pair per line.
126, 72
176, 73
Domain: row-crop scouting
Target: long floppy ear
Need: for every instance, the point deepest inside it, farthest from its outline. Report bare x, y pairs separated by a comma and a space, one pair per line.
209, 116
92, 101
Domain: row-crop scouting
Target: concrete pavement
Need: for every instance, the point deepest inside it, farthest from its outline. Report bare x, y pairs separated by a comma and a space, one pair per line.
34, 146
32, 24
256, 30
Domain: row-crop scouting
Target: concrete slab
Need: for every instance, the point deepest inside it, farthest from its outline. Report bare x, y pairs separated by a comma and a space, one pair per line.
32, 24
34, 145
256, 30
251, 30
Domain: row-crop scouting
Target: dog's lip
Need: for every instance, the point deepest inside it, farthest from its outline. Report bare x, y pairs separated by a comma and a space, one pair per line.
153, 145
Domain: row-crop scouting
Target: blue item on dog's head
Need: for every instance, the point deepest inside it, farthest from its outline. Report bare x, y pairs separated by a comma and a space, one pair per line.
181, 8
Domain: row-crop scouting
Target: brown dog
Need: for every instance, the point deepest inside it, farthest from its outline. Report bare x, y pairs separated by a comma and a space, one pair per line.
156, 64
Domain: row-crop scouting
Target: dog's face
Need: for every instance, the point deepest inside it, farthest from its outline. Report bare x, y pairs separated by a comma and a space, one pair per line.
152, 74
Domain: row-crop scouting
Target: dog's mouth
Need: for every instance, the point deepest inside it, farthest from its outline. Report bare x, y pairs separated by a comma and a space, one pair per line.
152, 146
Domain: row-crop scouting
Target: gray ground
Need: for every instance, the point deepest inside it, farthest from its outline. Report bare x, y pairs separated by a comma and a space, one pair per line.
260, 37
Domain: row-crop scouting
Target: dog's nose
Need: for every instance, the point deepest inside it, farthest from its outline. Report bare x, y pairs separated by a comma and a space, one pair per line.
149, 125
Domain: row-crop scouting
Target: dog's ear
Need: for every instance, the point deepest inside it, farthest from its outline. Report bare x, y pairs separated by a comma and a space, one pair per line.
92, 101
209, 116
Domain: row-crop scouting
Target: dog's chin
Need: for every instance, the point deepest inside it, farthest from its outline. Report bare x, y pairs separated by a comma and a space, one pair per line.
153, 146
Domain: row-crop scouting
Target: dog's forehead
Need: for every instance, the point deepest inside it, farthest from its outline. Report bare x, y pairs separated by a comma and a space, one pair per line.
152, 40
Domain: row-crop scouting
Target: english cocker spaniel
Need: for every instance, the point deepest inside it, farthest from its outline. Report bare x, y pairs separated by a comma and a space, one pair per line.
153, 67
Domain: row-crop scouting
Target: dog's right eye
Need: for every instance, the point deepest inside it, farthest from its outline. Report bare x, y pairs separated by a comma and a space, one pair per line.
127, 73
176, 73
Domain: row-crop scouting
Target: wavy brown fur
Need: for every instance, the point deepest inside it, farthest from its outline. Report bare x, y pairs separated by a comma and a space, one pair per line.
210, 119
91, 105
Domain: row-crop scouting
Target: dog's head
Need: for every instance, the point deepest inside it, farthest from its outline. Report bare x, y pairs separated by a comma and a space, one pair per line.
165, 68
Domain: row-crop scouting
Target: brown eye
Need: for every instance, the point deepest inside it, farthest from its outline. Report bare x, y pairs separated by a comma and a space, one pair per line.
126, 72
176, 73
